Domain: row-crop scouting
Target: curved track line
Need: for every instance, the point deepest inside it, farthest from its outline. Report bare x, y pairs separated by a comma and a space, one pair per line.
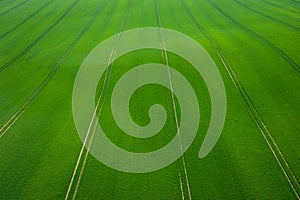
288, 173
95, 116
281, 7
25, 20
39, 38
9, 10
165, 57
11, 121
295, 1
267, 16
260, 37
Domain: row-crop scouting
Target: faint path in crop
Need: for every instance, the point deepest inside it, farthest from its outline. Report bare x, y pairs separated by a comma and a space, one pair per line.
298, 2
25, 20
96, 115
288, 173
260, 37
38, 39
267, 16
165, 58
12, 120
11, 9
281, 7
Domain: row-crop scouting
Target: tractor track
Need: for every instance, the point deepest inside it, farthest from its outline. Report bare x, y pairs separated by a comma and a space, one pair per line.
288, 173
267, 16
11, 9
95, 116
295, 1
280, 7
172, 104
11, 121
38, 39
260, 37
25, 20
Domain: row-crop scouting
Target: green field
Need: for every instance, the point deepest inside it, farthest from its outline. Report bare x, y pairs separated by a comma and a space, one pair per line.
256, 47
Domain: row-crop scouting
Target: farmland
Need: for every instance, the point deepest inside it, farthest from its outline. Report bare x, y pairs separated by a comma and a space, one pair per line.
255, 46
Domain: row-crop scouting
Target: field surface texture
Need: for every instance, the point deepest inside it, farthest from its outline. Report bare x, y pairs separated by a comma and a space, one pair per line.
255, 45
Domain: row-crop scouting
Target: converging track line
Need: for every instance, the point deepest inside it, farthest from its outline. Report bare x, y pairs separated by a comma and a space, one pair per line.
280, 7
11, 9
95, 115
165, 57
260, 37
12, 120
295, 1
39, 38
266, 16
288, 173
25, 20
